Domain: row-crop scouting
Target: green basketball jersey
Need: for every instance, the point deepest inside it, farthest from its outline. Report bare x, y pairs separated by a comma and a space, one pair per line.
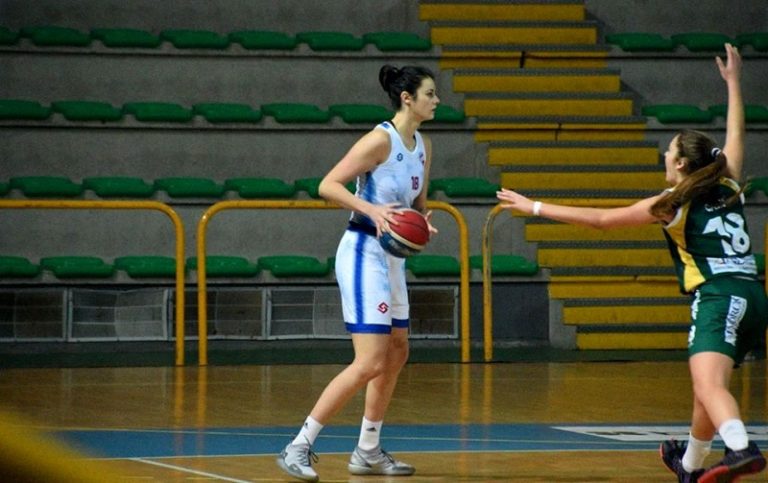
708, 239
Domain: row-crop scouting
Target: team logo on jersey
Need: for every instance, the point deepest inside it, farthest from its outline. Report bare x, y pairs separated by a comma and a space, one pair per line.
383, 307
399, 156
421, 157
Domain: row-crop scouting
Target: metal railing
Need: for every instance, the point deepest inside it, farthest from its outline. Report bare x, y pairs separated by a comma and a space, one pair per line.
128, 205
202, 227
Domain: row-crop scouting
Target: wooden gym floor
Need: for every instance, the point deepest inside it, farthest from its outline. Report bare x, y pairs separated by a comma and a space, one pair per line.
503, 422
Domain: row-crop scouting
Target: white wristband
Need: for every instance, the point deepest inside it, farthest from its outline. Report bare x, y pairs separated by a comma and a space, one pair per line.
536, 208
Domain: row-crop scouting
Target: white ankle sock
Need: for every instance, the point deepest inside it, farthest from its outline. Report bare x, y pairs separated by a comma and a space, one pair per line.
695, 453
308, 432
369, 434
734, 434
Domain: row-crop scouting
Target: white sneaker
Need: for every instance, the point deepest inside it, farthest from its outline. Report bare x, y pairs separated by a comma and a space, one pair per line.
377, 462
296, 460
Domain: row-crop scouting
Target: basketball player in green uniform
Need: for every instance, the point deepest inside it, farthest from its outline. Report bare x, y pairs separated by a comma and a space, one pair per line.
702, 214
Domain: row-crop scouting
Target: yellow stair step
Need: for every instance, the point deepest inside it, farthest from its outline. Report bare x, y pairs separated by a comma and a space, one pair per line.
604, 257
492, 34
537, 232
627, 315
536, 81
545, 59
639, 341
586, 181
547, 106
494, 12
627, 288
500, 154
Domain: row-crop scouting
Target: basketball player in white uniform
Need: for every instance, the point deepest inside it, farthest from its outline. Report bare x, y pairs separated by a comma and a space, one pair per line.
391, 165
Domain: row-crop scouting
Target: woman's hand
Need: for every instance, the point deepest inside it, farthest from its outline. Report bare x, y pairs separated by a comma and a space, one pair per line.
731, 69
381, 216
432, 229
512, 200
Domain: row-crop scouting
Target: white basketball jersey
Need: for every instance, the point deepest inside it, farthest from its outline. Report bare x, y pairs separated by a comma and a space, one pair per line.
399, 179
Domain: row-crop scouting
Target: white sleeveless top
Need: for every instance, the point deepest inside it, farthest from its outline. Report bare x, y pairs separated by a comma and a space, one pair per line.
399, 179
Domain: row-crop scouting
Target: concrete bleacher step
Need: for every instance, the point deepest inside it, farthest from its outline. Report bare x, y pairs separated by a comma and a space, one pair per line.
640, 153
489, 10
604, 254
579, 181
500, 33
548, 104
675, 339
536, 80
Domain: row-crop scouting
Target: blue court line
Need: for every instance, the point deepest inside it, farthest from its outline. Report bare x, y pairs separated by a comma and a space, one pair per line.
269, 440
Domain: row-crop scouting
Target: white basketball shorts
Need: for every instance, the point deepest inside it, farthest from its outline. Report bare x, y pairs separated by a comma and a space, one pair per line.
374, 296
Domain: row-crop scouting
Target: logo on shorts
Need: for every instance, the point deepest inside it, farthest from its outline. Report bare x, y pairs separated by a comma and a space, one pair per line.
383, 307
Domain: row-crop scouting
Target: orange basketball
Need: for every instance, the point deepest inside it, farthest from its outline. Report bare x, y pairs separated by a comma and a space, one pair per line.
408, 237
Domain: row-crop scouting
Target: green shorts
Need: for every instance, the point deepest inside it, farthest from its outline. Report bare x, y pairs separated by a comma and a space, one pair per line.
729, 316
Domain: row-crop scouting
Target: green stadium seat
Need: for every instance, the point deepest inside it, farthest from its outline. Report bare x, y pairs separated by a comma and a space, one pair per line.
641, 42
506, 264
119, 187
433, 266
752, 112
126, 38
17, 267
702, 41
294, 266
158, 112
55, 36
77, 267
146, 266
189, 187
4, 188
331, 41
310, 186
217, 112
87, 110
464, 187
677, 113
46, 186
755, 185
225, 266
263, 39
260, 187
445, 113
397, 41
195, 39
286, 112
8, 37
23, 109
758, 40
361, 113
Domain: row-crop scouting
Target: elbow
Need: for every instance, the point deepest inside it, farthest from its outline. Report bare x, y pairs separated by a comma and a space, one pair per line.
323, 189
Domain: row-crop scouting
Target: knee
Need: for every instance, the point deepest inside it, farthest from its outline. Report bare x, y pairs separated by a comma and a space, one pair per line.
368, 369
398, 352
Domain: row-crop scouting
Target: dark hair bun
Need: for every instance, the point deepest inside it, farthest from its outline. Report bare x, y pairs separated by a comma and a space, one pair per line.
387, 75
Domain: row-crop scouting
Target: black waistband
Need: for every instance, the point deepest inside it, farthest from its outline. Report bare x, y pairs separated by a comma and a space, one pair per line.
362, 228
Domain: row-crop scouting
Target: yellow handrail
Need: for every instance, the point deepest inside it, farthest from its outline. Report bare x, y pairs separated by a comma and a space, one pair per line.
128, 205
202, 302
487, 242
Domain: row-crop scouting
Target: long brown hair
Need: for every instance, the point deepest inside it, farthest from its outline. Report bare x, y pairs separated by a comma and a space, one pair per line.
706, 165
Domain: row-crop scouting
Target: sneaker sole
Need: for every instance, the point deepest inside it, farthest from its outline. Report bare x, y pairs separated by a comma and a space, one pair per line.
728, 474
300, 476
365, 470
